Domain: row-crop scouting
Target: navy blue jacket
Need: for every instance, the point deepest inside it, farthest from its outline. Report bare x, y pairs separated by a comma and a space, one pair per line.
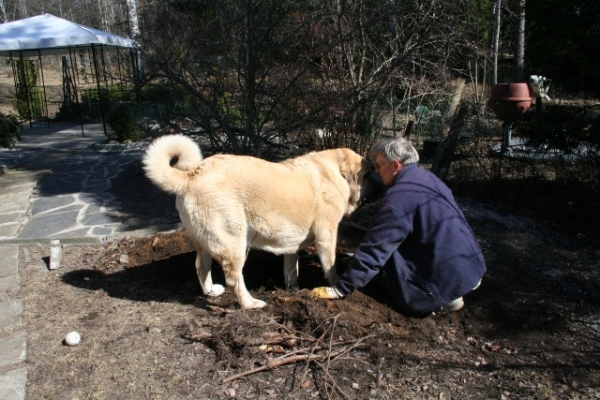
423, 243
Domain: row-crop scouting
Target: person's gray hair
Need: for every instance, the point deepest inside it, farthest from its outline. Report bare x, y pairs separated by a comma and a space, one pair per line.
395, 149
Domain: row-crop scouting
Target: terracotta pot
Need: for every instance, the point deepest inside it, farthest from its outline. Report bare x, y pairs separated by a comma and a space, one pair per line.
510, 100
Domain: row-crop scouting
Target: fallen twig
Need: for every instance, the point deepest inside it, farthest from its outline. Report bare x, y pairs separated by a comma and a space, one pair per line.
291, 358
284, 340
333, 383
219, 309
328, 359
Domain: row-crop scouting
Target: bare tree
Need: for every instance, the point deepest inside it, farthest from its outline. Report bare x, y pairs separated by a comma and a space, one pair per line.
3, 11
496, 40
256, 71
132, 18
519, 41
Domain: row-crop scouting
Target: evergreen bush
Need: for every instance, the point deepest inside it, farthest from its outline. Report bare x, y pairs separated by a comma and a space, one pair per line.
122, 120
30, 98
10, 130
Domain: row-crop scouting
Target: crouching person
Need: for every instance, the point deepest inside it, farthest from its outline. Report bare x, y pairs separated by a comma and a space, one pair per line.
419, 242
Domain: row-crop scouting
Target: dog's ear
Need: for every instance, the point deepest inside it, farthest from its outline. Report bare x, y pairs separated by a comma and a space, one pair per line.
352, 174
345, 168
347, 173
349, 169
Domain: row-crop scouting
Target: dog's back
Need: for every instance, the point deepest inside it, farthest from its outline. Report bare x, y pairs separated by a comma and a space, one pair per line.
271, 205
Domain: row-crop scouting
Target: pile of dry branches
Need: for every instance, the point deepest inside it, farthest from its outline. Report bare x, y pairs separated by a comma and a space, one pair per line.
305, 336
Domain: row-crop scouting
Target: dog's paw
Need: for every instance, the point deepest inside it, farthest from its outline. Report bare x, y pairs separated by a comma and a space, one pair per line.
216, 290
253, 304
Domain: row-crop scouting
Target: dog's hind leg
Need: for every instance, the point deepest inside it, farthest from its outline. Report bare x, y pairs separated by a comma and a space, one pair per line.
290, 270
203, 268
232, 268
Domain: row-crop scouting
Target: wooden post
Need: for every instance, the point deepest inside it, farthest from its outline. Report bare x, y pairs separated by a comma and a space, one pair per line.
408, 129
445, 151
454, 103
453, 124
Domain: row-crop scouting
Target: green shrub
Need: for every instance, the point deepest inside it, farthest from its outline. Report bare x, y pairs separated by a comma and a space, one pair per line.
110, 94
563, 127
122, 120
10, 130
30, 100
163, 93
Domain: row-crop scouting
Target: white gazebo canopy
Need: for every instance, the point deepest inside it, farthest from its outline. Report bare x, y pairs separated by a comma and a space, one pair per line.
46, 34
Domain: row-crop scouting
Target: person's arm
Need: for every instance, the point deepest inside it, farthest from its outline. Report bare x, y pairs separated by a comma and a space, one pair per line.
388, 229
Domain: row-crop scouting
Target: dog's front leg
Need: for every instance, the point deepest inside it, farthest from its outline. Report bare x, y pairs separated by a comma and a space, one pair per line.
203, 268
331, 274
326, 252
290, 270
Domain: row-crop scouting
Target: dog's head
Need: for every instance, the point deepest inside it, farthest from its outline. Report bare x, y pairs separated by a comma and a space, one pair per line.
361, 179
373, 187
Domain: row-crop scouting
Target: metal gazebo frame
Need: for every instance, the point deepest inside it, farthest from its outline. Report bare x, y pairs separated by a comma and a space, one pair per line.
89, 83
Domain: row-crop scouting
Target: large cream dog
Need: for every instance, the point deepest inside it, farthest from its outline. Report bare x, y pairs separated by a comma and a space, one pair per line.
230, 203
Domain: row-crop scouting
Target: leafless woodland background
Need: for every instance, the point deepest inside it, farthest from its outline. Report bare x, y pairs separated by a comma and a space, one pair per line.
277, 78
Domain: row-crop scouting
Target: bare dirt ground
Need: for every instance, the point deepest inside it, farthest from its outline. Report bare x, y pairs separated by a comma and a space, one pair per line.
7, 89
531, 331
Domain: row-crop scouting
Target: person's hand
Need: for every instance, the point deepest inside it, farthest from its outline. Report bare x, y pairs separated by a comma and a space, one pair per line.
325, 293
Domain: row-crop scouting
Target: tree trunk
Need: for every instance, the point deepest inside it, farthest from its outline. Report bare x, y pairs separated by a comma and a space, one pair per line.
134, 32
132, 16
497, 8
519, 49
24, 12
3, 10
393, 29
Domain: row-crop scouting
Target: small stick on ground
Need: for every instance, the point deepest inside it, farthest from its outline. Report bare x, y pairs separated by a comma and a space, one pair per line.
328, 358
291, 359
219, 309
334, 385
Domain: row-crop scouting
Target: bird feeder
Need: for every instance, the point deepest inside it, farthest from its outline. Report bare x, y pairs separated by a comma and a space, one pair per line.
509, 101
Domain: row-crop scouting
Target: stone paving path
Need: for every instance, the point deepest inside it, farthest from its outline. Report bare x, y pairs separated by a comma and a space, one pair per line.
74, 201
13, 338
54, 186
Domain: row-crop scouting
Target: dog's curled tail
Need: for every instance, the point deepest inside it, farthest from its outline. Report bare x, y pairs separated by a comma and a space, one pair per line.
168, 159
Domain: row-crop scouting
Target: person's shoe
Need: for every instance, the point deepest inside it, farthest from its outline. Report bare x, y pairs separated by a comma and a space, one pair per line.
454, 305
